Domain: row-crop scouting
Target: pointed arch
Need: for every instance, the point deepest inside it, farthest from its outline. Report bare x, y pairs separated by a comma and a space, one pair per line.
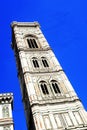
5, 111
55, 87
6, 128
44, 88
45, 61
32, 41
35, 62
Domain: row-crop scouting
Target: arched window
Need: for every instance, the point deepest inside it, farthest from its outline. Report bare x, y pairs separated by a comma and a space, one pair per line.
35, 62
44, 88
32, 42
5, 111
55, 86
44, 61
6, 128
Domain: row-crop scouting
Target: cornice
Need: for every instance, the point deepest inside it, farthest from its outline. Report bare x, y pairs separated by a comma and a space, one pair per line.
33, 49
6, 121
63, 101
6, 98
42, 72
24, 24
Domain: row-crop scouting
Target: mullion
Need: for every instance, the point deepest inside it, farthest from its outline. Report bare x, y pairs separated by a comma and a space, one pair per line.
57, 88
42, 87
46, 64
35, 44
46, 90
32, 43
36, 62
29, 43
54, 87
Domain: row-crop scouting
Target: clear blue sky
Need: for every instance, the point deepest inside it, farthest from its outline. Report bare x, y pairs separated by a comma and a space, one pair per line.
64, 24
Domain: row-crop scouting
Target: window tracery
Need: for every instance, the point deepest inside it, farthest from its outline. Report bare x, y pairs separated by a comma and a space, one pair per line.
55, 86
45, 62
44, 88
5, 111
6, 128
78, 117
32, 42
35, 62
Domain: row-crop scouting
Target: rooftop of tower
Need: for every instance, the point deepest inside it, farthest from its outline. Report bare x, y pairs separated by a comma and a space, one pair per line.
25, 24
6, 98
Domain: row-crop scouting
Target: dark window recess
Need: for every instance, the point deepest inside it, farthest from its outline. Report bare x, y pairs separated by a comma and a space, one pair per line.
44, 88
29, 43
35, 63
56, 88
35, 44
45, 63
32, 43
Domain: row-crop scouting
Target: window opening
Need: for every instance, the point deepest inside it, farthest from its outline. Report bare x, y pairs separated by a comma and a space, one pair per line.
44, 88
6, 128
47, 122
78, 117
45, 63
55, 87
35, 63
58, 120
35, 43
32, 43
29, 43
68, 119
5, 111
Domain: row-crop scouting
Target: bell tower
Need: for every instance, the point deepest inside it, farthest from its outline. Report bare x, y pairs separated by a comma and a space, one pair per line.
6, 106
50, 101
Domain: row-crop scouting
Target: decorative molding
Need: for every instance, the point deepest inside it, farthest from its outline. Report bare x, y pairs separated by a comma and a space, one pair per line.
6, 98
24, 24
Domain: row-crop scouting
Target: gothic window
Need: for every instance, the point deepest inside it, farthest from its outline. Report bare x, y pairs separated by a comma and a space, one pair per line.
35, 62
47, 122
6, 128
32, 43
67, 119
55, 86
5, 111
44, 88
44, 61
78, 118
58, 120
